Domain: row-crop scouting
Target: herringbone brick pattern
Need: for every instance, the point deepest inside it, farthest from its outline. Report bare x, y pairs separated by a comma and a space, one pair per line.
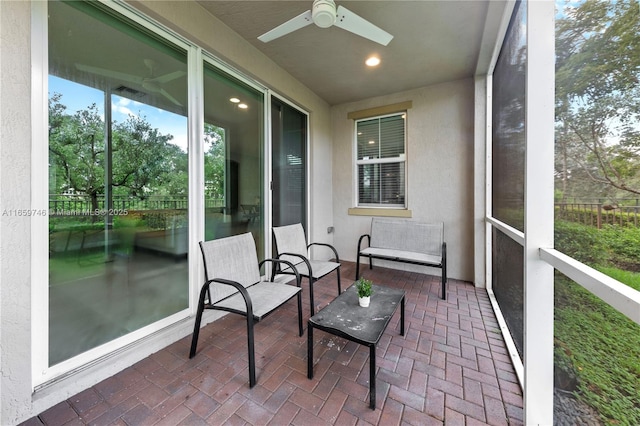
451, 367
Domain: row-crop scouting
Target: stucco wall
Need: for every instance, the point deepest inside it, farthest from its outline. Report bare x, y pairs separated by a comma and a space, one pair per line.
15, 154
439, 170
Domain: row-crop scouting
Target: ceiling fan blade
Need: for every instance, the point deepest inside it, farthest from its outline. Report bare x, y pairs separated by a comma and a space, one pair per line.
347, 20
168, 77
290, 26
110, 73
168, 96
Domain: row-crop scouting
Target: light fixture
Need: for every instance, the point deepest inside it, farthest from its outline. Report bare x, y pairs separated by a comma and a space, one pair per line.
372, 61
234, 100
372, 142
242, 106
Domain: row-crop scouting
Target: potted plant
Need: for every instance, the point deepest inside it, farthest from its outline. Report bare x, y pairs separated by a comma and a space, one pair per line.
364, 291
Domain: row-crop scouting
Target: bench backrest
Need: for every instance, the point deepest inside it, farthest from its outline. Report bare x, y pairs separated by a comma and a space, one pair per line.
407, 235
231, 258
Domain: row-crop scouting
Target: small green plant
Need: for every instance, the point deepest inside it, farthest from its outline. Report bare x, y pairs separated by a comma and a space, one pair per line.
364, 287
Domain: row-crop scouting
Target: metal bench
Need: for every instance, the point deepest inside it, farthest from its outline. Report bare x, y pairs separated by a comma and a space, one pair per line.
406, 241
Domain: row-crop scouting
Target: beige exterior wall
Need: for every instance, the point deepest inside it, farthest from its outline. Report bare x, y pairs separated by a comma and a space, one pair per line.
440, 155
15, 178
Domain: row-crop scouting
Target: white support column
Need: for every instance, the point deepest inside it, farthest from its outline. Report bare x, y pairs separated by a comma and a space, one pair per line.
480, 182
539, 184
196, 172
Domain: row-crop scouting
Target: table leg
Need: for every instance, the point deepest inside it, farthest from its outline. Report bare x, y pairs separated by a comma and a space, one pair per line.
309, 350
402, 316
372, 377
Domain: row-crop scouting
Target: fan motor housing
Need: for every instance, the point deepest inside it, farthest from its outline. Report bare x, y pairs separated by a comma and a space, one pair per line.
324, 13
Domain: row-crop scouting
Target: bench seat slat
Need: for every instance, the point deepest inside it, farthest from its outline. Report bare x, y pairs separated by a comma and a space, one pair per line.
409, 256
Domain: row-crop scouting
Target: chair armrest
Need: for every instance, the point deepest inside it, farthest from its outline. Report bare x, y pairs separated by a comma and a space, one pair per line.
360, 241
335, 252
238, 286
304, 259
291, 265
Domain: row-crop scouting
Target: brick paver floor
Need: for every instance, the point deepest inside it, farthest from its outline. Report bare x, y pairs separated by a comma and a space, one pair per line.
451, 367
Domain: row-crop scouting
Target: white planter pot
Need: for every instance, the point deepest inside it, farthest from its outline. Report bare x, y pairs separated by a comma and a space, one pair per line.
364, 301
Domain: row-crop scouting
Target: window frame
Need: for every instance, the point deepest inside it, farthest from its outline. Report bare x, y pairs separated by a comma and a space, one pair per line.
402, 158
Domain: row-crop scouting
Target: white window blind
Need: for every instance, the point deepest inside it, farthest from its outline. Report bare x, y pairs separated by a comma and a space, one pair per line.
381, 161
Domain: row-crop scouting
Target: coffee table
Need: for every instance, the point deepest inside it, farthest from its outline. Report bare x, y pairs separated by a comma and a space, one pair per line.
343, 317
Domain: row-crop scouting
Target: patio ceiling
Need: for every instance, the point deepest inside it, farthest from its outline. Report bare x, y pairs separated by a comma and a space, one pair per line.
434, 42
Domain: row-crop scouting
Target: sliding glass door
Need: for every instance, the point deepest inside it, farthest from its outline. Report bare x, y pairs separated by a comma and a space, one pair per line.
289, 162
233, 156
118, 178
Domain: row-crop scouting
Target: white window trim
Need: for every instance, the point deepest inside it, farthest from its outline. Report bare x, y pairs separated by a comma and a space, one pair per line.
402, 158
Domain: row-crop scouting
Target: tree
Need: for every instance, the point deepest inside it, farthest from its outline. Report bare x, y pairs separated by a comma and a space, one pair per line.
76, 146
143, 160
214, 161
598, 98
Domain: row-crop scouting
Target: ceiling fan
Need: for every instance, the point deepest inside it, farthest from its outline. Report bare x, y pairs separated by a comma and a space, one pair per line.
151, 83
324, 14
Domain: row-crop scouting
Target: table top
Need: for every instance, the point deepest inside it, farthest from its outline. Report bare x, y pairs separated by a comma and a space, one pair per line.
345, 317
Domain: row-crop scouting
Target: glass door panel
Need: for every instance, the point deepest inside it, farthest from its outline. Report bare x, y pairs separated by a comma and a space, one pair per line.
289, 162
117, 178
234, 140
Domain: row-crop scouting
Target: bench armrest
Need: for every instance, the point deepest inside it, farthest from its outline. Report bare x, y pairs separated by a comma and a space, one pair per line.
360, 241
335, 252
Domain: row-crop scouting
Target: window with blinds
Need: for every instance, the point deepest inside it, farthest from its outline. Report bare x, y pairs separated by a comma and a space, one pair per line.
381, 161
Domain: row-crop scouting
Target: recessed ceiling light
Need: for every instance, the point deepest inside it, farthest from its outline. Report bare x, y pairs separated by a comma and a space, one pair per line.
234, 100
372, 142
372, 61
242, 106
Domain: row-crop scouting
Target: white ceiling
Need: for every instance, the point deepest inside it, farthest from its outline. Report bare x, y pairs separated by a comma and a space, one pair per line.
434, 42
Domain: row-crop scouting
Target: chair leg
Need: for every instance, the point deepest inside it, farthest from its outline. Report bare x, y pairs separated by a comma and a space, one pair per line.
300, 313
250, 348
357, 267
339, 287
196, 328
313, 309
444, 282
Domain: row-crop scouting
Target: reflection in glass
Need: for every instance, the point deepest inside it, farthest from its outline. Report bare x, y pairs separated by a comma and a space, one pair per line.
234, 135
117, 179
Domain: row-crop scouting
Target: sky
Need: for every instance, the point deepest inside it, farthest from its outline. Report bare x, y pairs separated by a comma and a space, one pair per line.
77, 97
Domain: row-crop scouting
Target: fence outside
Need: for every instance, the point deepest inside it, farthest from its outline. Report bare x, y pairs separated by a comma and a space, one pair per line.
598, 214
70, 205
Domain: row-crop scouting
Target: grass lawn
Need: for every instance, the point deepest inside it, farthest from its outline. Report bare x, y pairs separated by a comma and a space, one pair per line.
601, 347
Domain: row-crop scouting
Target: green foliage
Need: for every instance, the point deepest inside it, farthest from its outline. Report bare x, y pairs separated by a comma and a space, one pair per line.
632, 279
364, 287
598, 98
581, 242
144, 161
601, 347
623, 244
